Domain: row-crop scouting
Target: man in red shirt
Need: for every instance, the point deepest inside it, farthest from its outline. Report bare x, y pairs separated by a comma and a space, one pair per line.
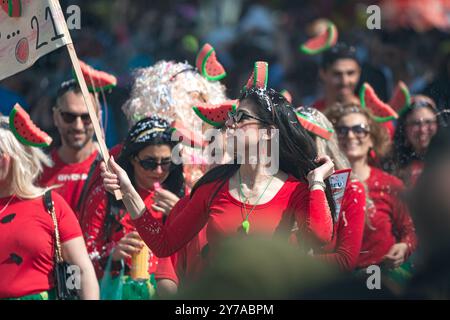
339, 72
78, 151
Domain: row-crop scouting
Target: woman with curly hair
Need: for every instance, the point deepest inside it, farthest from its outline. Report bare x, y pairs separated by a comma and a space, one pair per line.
344, 248
389, 235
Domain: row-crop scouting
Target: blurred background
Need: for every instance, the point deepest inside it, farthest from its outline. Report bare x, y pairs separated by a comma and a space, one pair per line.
118, 36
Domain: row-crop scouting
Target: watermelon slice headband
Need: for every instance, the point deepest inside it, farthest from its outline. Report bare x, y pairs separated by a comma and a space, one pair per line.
215, 115
306, 118
381, 112
25, 130
96, 80
208, 65
259, 77
321, 42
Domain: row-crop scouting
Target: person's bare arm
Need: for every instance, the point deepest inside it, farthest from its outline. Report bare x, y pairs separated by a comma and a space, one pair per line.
74, 252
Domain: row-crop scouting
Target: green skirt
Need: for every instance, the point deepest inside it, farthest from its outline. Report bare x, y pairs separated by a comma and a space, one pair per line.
46, 295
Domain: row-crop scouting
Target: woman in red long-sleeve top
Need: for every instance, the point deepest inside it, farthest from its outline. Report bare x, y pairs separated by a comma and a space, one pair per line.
389, 235
344, 248
247, 198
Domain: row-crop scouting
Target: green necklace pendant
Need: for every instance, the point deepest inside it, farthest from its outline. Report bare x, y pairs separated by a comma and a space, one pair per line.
246, 226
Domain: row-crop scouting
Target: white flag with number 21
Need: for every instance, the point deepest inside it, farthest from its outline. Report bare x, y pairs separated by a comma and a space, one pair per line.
29, 29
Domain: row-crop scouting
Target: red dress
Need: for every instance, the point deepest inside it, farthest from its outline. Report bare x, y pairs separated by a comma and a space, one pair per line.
27, 246
344, 248
225, 215
93, 225
388, 222
71, 177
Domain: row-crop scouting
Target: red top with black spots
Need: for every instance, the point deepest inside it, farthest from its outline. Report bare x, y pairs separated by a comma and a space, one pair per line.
27, 246
225, 215
93, 224
388, 222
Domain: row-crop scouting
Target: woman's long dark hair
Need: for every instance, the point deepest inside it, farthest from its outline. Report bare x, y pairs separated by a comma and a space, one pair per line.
297, 150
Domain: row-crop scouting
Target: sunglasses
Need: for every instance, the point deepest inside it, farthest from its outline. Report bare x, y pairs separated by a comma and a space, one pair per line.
152, 164
422, 122
360, 130
69, 117
239, 116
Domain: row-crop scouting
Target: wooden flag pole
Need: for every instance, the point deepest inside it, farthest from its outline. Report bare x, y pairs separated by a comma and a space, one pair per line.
87, 98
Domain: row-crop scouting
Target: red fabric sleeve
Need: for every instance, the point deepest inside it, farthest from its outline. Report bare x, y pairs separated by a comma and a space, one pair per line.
68, 225
350, 228
317, 223
93, 230
403, 224
167, 239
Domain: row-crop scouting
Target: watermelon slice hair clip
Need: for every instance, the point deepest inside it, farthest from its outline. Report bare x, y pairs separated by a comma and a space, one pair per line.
322, 42
259, 77
208, 65
25, 130
215, 114
401, 98
306, 118
96, 80
383, 112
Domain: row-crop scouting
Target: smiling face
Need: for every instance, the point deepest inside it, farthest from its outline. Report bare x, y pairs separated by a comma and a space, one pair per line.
340, 79
420, 127
354, 137
160, 154
72, 120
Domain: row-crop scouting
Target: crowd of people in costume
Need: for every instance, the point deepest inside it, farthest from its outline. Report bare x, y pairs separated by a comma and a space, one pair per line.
162, 237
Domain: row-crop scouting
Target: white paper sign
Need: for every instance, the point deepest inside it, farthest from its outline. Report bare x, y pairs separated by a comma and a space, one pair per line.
38, 31
339, 181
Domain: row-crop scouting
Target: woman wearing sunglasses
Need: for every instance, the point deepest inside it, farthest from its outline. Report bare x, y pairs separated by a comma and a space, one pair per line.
389, 236
415, 129
245, 198
147, 159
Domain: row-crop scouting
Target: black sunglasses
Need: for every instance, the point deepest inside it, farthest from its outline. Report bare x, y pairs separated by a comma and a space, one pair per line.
152, 164
360, 130
69, 117
239, 116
